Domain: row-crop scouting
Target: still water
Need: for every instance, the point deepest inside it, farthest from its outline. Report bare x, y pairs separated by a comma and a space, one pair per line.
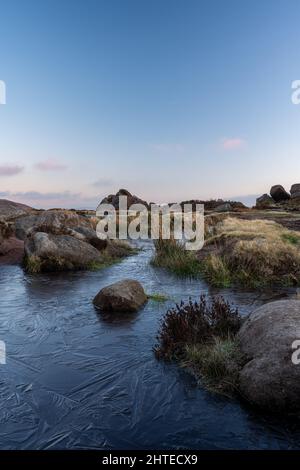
77, 379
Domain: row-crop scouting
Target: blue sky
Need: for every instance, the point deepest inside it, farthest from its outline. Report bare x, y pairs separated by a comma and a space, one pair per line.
170, 99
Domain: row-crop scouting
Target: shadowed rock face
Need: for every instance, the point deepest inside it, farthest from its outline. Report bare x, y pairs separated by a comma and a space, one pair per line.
295, 191
11, 249
265, 202
123, 296
269, 378
279, 194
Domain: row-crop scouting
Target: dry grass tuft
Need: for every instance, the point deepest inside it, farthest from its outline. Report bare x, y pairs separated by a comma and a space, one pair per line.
172, 255
253, 253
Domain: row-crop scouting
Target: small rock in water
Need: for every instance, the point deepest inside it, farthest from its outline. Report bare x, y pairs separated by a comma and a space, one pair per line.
123, 296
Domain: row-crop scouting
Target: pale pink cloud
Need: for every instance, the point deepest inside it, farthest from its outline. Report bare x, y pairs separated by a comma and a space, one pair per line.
50, 165
233, 143
10, 170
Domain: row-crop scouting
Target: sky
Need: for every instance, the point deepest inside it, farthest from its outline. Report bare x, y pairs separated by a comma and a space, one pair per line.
170, 99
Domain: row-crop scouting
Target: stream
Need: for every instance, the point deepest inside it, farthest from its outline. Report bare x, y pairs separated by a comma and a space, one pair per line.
79, 379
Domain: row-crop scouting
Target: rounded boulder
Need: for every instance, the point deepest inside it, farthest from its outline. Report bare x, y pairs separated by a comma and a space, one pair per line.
123, 296
270, 377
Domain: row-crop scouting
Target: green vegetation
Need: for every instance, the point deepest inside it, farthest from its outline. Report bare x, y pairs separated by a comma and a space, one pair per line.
216, 271
157, 297
105, 263
201, 336
291, 237
250, 253
172, 255
32, 264
217, 364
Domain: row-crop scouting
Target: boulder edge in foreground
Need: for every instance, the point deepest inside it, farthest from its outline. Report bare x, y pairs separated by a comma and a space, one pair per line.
269, 378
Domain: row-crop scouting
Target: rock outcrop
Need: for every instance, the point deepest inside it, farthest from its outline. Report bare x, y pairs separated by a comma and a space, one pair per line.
226, 207
113, 199
11, 249
57, 222
54, 239
48, 252
279, 194
59, 240
218, 205
295, 191
123, 296
269, 378
265, 202
280, 199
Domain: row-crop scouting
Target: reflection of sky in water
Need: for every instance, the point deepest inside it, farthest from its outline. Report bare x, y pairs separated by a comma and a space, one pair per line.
78, 379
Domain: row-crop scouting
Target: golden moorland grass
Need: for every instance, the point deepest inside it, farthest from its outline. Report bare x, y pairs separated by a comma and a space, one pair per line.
253, 253
250, 253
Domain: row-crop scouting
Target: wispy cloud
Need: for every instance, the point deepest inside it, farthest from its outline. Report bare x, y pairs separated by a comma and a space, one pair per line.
10, 170
168, 148
63, 199
102, 182
37, 195
233, 143
50, 165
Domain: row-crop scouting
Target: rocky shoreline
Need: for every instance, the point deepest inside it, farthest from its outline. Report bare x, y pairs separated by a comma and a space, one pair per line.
53, 240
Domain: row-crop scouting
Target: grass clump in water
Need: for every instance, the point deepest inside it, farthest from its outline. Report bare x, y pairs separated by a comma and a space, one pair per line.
201, 336
172, 255
113, 253
157, 297
217, 364
216, 271
32, 264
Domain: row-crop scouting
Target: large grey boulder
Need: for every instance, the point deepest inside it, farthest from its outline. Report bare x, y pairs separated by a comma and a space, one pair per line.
269, 378
264, 202
57, 222
88, 235
295, 191
123, 296
279, 194
48, 252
